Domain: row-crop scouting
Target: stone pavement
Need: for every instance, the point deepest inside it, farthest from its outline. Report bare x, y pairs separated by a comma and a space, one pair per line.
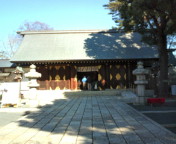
85, 120
8, 115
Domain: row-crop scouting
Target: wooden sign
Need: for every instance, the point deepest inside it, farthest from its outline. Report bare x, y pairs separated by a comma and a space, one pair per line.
87, 69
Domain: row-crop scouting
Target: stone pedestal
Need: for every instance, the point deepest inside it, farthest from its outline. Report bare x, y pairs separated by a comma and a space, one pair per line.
141, 81
33, 85
33, 100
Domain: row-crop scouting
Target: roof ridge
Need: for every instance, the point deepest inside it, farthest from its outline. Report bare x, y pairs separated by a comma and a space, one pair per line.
67, 31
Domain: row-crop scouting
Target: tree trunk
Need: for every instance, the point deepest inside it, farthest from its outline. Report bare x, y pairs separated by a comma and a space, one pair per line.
163, 61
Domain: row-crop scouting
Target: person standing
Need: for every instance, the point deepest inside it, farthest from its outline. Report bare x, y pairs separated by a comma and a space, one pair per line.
89, 86
84, 80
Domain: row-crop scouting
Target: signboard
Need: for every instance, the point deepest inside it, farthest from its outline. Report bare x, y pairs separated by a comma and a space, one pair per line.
87, 69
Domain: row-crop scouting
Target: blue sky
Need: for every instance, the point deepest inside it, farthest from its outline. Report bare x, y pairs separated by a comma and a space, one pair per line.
59, 14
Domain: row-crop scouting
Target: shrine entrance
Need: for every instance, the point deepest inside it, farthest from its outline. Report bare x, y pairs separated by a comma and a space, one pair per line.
92, 79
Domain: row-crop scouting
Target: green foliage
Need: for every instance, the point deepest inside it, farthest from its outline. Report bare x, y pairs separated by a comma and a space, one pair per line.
148, 17
155, 20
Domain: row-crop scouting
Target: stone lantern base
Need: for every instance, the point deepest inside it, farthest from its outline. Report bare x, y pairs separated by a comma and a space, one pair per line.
33, 100
140, 100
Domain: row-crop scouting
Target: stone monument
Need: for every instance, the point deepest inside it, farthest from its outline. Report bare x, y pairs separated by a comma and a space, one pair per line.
32, 75
141, 81
11, 91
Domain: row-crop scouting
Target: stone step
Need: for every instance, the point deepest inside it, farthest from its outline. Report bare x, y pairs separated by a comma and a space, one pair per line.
93, 93
49, 96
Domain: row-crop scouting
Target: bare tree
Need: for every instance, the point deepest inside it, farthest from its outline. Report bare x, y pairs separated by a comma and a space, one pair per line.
9, 47
34, 26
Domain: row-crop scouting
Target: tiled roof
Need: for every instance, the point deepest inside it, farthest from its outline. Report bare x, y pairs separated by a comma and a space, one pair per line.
82, 45
5, 63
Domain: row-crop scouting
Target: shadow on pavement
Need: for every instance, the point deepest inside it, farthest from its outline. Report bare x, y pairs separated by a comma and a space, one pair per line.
84, 119
164, 114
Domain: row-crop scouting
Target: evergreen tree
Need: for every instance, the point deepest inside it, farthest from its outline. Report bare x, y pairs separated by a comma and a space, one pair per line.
155, 20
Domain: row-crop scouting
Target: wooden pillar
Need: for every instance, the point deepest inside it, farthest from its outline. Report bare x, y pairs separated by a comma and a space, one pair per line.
107, 69
44, 70
68, 77
102, 78
129, 85
73, 79
130, 78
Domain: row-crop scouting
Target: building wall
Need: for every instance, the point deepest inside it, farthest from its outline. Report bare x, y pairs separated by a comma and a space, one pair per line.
60, 77
55, 77
110, 74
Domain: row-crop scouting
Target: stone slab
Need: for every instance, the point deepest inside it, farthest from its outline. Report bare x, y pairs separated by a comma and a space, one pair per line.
102, 120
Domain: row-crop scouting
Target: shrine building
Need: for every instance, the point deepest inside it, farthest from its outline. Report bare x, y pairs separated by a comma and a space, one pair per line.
107, 57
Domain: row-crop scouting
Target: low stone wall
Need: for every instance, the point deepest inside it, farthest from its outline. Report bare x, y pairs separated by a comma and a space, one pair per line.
49, 96
93, 93
45, 97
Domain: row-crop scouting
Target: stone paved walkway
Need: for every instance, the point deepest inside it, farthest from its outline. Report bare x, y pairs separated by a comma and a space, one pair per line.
85, 120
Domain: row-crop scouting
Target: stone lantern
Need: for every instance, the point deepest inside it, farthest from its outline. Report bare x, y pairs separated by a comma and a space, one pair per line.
32, 75
18, 77
141, 81
18, 73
